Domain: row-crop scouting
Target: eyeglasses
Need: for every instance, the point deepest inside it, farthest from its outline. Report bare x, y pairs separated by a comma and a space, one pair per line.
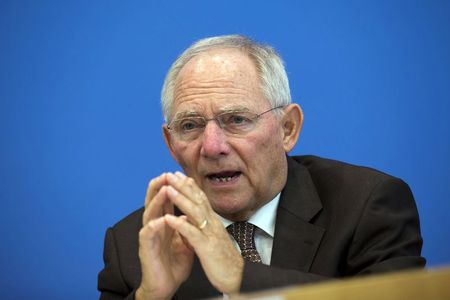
234, 122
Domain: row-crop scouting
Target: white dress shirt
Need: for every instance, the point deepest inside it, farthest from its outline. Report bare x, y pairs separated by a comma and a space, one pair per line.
264, 220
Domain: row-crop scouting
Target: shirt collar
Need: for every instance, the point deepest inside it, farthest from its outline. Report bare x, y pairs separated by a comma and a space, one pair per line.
263, 218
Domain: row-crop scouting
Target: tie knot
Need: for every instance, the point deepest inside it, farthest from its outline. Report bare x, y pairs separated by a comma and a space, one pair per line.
244, 234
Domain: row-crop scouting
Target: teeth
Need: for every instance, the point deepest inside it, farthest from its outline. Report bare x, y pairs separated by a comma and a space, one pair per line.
222, 179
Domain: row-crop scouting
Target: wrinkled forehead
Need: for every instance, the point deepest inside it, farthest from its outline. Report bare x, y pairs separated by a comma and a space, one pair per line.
229, 63
227, 78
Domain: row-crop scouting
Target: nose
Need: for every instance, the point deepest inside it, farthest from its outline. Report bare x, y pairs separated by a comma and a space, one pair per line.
214, 141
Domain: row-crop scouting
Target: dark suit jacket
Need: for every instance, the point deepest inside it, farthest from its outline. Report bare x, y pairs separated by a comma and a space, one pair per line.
333, 220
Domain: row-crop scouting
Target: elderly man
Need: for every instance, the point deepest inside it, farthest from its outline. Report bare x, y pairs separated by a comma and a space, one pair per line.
244, 215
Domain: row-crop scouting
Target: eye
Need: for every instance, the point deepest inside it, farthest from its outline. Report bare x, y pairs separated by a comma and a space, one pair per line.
236, 119
190, 124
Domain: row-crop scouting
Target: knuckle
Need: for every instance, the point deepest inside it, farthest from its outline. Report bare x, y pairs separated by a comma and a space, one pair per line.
199, 200
190, 182
200, 197
143, 232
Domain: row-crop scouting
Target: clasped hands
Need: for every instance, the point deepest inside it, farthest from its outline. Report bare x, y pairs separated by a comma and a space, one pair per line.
167, 243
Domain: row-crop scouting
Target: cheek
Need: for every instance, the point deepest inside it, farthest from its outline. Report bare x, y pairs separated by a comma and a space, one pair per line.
184, 155
272, 141
263, 150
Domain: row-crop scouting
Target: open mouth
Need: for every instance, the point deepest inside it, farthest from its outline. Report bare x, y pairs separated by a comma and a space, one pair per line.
223, 177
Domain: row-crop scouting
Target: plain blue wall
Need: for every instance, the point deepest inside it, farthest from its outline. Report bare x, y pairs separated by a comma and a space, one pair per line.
80, 117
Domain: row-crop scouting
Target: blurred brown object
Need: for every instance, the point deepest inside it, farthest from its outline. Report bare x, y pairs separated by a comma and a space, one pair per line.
425, 284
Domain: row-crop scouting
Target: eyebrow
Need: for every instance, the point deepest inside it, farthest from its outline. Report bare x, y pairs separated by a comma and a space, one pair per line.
188, 114
234, 108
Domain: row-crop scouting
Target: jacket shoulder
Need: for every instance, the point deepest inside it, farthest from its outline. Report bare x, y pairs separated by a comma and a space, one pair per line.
332, 177
318, 166
130, 223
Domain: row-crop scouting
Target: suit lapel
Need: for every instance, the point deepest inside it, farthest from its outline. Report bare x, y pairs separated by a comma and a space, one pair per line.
296, 240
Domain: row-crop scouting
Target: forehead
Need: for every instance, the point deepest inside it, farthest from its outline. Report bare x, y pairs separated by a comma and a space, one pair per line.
219, 77
230, 63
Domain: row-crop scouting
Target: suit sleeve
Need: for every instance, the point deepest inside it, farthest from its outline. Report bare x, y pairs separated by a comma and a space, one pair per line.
258, 276
110, 281
386, 238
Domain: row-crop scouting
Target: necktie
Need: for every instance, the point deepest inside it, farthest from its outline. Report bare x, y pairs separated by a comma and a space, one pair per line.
244, 234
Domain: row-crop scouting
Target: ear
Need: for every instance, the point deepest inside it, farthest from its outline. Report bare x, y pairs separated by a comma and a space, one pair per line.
168, 140
292, 123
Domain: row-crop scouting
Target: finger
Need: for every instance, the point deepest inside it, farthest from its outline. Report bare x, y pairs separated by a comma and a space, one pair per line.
149, 232
158, 206
185, 241
155, 209
168, 208
195, 213
180, 175
188, 231
181, 182
154, 186
155, 236
187, 186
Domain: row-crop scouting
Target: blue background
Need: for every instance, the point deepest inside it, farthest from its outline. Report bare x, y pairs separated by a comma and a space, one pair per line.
80, 121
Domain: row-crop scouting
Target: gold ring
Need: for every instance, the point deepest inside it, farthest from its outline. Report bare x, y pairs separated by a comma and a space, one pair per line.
203, 225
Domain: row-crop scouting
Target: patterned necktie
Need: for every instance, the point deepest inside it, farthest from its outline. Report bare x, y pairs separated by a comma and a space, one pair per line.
244, 234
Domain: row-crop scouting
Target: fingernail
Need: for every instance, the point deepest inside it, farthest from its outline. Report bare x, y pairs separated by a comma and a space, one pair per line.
179, 174
172, 191
169, 216
172, 177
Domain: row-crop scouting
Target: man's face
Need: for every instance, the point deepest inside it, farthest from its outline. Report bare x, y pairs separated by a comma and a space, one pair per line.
238, 173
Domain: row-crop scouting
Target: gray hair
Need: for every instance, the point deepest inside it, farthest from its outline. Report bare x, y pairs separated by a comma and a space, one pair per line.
269, 65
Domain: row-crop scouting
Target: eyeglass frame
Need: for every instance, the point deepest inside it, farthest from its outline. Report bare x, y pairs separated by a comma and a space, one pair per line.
220, 121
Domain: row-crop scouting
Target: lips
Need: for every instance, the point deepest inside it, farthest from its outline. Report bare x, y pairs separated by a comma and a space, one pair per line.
224, 177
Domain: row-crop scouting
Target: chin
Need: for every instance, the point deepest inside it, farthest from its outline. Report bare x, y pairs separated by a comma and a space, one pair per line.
232, 212
227, 207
